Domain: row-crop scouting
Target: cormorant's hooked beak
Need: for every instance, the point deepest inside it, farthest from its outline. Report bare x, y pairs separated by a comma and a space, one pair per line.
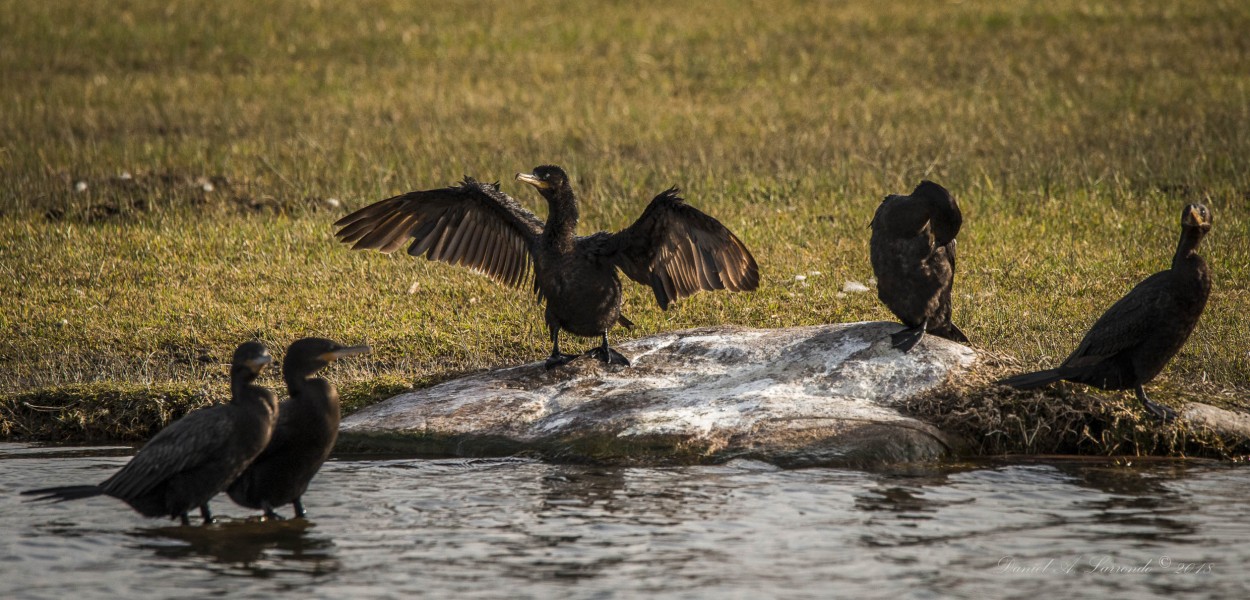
334, 355
1193, 216
534, 181
258, 363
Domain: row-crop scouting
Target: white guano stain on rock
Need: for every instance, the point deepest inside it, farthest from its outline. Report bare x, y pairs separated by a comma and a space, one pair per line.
797, 396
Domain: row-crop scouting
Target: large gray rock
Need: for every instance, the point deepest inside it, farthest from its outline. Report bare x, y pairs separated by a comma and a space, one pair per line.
820, 395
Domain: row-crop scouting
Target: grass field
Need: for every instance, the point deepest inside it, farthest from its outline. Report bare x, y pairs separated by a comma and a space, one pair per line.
169, 170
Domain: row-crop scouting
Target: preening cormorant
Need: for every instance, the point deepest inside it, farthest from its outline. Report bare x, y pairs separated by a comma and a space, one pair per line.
913, 257
1131, 342
673, 248
192, 459
308, 425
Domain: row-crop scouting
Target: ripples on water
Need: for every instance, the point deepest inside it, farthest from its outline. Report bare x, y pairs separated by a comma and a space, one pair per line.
516, 528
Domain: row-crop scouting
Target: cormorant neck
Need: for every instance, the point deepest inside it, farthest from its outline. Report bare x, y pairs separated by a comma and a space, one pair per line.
296, 381
1188, 246
240, 378
562, 214
944, 219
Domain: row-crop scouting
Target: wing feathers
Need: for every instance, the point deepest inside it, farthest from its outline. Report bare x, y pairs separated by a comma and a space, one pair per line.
678, 251
400, 235
472, 225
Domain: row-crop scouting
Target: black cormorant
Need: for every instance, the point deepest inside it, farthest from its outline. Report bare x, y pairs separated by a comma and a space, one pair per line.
913, 257
308, 425
192, 459
1131, 343
673, 248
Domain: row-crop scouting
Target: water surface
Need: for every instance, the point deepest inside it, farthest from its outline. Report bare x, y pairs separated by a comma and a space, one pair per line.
519, 529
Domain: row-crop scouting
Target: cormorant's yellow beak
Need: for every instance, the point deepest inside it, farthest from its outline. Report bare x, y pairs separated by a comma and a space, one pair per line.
257, 363
534, 181
341, 352
1192, 215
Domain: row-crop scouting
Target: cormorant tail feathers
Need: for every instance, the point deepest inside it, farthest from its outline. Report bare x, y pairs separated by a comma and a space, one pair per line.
65, 493
951, 332
1028, 381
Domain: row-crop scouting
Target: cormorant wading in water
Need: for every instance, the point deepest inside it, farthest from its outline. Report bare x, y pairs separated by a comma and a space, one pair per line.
913, 257
308, 425
673, 248
1131, 343
197, 456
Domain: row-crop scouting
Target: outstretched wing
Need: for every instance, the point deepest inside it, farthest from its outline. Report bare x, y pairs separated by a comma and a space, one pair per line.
678, 250
472, 224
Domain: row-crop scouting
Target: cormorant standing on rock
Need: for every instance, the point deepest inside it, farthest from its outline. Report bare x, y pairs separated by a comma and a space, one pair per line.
308, 425
1131, 343
192, 459
673, 248
913, 257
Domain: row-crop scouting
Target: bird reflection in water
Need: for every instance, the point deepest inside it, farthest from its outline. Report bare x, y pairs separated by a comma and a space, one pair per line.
901, 491
1141, 505
259, 546
583, 487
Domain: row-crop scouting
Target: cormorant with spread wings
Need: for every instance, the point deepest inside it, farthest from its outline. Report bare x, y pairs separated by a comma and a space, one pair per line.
673, 247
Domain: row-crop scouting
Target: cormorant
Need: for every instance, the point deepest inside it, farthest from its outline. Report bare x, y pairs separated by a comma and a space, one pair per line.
1131, 342
673, 248
308, 425
913, 257
193, 458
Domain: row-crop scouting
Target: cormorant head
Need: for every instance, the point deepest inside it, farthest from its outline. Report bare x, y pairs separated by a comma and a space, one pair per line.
550, 180
928, 189
1196, 215
252, 356
308, 355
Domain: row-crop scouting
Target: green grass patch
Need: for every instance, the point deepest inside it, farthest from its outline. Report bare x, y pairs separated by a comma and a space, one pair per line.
169, 170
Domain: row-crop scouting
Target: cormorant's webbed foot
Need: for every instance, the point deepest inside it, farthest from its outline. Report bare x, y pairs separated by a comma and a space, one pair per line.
300, 513
1163, 413
557, 358
907, 339
269, 514
608, 356
206, 514
186, 521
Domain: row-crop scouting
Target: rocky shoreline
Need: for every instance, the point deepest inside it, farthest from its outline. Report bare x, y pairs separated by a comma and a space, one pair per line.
827, 395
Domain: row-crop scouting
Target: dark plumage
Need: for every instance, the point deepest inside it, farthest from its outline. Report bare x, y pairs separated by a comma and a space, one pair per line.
1131, 343
913, 257
197, 456
673, 248
308, 425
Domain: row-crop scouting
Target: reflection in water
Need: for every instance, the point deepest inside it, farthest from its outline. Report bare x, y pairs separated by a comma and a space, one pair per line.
1139, 503
583, 487
520, 528
253, 545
